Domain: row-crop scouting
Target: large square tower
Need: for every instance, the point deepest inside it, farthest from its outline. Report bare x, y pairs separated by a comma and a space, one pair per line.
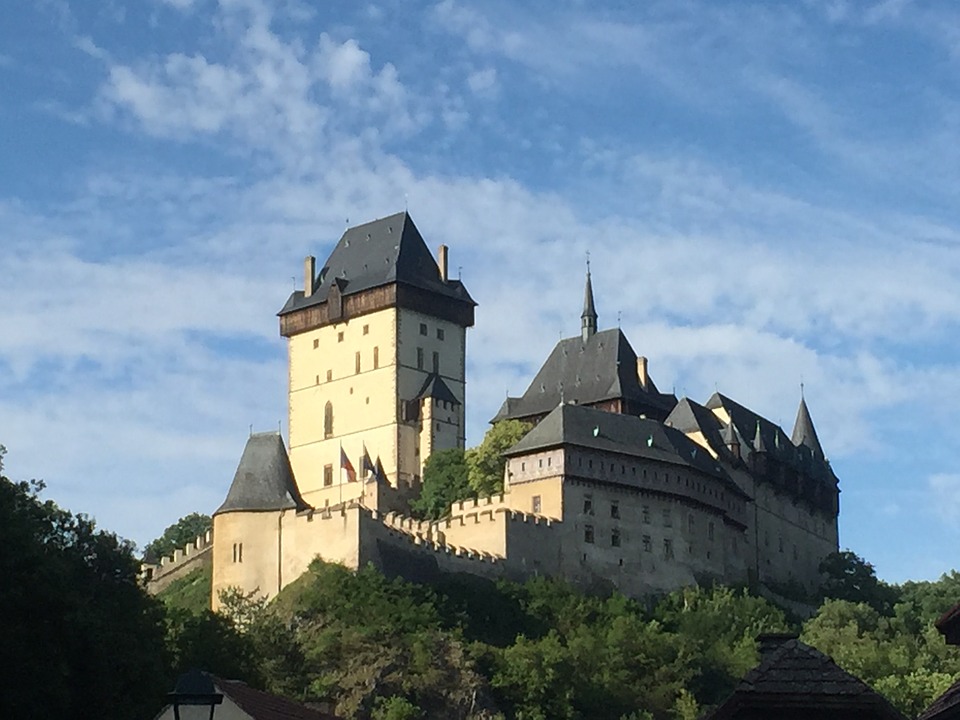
377, 359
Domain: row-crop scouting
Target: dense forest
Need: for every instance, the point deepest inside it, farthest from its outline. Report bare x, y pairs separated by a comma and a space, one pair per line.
87, 641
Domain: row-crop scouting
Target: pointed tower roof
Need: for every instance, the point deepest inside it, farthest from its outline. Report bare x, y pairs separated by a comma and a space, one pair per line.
264, 480
758, 444
588, 318
804, 433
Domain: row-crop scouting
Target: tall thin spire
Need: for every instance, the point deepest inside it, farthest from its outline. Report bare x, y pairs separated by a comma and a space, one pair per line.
588, 320
804, 433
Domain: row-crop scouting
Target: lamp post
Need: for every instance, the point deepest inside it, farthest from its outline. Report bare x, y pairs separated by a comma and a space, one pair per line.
193, 696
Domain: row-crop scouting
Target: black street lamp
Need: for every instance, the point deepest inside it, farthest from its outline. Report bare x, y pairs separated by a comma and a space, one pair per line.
193, 695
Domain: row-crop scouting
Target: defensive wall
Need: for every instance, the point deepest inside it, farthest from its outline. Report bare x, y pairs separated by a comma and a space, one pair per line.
181, 562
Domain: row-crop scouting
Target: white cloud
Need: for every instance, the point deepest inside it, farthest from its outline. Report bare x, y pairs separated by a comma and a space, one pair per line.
483, 82
945, 496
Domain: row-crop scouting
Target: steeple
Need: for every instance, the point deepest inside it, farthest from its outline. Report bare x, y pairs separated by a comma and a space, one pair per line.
804, 432
588, 320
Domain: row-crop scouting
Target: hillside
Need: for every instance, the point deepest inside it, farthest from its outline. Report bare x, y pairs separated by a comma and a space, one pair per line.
467, 648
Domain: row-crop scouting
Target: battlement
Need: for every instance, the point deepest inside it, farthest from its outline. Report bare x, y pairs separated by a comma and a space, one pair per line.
472, 504
157, 576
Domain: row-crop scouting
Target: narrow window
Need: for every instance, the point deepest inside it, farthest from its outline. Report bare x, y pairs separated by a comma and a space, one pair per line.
588, 533
588, 504
316, 343
615, 538
710, 532
667, 519
376, 357
667, 548
356, 359
439, 333
780, 543
436, 362
329, 375
645, 513
366, 329
340, 336
615, 510
548, 462
647, 543
238, 552
690, 522
327, 475
540, 462
419, 358
423, 328
536, 504
328, 419
523, 466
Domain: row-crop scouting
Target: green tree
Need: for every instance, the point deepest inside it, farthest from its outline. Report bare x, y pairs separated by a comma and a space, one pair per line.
80, 637
184, 531
444, 482
847, 576
486, 462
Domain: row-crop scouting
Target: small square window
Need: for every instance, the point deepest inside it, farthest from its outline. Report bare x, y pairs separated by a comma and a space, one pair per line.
588, 534
536, 505
340, 336
366, 329
439, 333
327, 475
423, 328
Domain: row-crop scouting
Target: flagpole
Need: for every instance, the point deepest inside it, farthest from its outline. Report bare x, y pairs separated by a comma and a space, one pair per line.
340, 484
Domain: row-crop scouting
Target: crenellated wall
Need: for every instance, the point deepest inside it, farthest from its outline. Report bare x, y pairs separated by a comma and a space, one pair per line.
183, 561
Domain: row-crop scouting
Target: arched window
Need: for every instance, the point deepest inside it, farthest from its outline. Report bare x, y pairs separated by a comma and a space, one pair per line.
328, 420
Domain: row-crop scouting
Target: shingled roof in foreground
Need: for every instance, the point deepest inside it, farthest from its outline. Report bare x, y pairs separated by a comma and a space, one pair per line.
795, 680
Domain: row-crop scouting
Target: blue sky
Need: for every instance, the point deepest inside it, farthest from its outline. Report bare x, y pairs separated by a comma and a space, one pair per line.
768, 192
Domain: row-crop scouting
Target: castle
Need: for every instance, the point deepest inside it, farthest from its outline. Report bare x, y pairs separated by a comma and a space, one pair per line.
617, 485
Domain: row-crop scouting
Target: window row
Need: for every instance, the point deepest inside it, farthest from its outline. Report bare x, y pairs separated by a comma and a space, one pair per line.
423, 331
357, 365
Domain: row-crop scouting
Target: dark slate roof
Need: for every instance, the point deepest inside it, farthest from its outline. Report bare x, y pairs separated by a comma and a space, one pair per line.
945, 707
949, 625
589, 309
804, 433
434, 387
617, 433
385, 251
601, 368
770, 438
264, 480
689, 416
264, 706
798, 676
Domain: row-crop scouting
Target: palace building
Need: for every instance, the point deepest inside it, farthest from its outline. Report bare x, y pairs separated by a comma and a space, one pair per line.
617, 485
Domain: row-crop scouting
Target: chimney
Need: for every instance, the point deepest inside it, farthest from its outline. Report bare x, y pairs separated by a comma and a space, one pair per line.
442, 262
642, 371
309, 275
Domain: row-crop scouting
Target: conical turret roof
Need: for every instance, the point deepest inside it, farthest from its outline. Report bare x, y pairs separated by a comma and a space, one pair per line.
264, 479
804, 433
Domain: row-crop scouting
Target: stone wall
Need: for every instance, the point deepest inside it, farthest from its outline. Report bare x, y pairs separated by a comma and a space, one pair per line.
181, 562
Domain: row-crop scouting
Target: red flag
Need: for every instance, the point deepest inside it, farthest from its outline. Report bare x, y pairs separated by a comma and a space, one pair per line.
345, 464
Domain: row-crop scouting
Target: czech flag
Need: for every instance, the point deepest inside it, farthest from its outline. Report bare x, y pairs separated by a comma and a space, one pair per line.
345, 464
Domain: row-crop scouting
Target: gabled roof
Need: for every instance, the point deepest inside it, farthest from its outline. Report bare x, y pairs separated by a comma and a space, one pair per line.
602, 367
434, 387
617, 433
804, 433
690, 416
945, 707
264, 479
265, 706
797, 677
385, 251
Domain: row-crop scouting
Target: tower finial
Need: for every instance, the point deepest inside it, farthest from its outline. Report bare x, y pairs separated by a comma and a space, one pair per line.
588, 319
